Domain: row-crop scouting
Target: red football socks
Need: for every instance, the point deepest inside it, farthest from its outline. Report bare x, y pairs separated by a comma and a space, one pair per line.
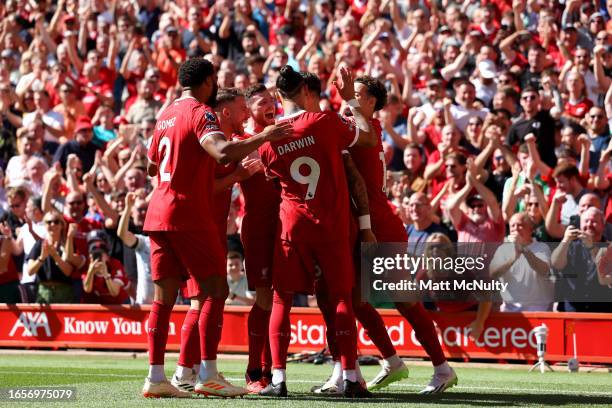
375, 328
280, 328
190, 340
424, 330
258, 322
266, 357
211, 325
346, 334
157, 332
328, 316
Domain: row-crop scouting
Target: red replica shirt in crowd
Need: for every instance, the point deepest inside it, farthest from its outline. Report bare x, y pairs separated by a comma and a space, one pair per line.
579, 109
261, 200
370, 161
182, 200
100, 293
315, 205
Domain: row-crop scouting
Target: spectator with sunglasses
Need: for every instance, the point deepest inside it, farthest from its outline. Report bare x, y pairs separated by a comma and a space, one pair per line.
48, 260
536, 121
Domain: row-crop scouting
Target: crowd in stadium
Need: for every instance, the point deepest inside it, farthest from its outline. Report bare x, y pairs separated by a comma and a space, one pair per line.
496, 126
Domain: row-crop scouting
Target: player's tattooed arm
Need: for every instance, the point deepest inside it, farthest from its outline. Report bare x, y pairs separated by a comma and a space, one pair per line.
357, 187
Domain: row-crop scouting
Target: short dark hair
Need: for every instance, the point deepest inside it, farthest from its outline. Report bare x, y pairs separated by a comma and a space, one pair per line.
227, 95
289, 81
254, 59
566, 170
529, 88
312, 81
254, 90
460, 157
375, 89
194, 72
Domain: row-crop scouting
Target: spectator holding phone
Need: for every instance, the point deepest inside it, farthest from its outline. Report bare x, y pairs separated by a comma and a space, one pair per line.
575, 260
105, 282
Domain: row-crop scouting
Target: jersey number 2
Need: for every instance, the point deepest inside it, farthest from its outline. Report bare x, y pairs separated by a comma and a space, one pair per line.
164, 144
312, 179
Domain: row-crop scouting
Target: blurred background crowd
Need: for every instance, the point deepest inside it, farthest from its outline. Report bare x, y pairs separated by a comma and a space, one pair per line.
509, 99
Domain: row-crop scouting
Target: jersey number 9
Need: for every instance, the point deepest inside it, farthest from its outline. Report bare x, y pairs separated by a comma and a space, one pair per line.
312, 179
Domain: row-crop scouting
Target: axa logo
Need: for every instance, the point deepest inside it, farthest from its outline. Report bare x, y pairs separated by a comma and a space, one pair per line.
31, 323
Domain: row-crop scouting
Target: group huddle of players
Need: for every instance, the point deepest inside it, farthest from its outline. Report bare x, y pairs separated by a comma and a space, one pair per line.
314, 189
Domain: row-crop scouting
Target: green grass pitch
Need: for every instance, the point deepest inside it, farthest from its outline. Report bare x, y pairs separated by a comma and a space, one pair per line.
115, 381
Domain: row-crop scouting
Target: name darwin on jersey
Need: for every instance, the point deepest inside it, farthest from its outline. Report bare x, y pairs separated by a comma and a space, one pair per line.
295, 145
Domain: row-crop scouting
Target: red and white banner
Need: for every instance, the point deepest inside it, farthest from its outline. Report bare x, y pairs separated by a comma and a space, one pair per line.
506, 335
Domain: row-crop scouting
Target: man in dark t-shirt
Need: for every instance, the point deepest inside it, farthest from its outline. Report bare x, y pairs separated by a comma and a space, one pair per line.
540, 123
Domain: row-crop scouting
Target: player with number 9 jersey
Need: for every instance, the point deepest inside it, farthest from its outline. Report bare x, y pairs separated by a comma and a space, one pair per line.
315, 204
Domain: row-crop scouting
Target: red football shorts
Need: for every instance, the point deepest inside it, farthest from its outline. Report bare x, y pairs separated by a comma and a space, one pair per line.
258, 258
295, 265
186, 254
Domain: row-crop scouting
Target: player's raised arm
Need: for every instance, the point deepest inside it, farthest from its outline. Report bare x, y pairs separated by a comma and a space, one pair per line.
346, 88
224, 151
359, 194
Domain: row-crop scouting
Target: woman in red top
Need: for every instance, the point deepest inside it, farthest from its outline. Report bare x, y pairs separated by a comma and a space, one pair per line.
577, 104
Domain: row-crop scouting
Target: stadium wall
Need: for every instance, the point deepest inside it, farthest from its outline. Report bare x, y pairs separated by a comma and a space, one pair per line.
507, 336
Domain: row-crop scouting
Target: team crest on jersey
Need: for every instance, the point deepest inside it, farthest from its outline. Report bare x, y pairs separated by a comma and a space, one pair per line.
210, 116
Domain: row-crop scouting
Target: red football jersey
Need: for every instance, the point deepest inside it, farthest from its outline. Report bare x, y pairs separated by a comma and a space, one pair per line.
182, 200
309, 166
261, 199
370, 161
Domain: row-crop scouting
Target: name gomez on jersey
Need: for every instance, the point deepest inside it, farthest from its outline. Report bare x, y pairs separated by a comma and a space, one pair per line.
182, 200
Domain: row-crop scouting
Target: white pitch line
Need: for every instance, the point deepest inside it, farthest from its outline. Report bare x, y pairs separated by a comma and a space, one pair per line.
398, 385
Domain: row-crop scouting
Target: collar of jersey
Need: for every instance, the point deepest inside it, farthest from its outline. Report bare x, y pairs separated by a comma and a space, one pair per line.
183, 98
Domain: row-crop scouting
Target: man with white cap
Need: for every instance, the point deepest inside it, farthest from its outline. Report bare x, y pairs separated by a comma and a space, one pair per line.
485, 82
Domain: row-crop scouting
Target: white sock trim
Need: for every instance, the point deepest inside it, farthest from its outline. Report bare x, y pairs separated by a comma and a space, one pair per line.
279, 375
393, 362
443, 368
183, 373
157, 374
208, 369
350, 375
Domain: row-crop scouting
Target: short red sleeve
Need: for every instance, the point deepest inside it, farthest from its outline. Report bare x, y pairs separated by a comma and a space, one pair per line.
205, 123
345, 129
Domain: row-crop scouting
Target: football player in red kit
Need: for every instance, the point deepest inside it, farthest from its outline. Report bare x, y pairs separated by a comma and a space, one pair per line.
258, 234
231, 110
185, 147
387, 227
314, 220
